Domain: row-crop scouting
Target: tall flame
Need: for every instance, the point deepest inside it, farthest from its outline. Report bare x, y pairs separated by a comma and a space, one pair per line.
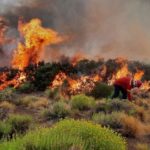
36, 38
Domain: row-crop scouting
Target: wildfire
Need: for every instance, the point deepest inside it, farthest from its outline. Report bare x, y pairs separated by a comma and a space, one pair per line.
76, 58
15, 82
59, 79
146, 85
79, 84
122, 72
138, 75
36, 38
33, 41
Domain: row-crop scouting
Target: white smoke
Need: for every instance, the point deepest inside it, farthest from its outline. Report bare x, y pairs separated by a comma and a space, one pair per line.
103, 28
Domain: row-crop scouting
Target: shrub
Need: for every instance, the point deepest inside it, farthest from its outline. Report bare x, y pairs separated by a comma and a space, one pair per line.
41, 103
82, 102
5, 130
140, 113
101, 90
112, 120
26, 88
19, 123
7, 95
143, 103
5, 109
60, 110
27, 100
44, 75
132, 127
66, 135
52, 93
120, 105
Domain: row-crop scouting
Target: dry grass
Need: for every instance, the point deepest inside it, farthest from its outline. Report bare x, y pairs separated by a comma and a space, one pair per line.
27, 100
132, 126
141, 113
143, 103
141, 146
7, 106
41, 103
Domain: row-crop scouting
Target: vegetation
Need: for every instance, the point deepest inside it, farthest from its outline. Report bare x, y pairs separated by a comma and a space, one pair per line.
14, 125
26, 88
101, 90
66, 135
82, 102
112, 120
7, 95
59, 110
52, 93
19, 123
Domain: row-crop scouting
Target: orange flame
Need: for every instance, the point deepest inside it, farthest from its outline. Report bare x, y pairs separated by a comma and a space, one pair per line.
78, 85
15, 82
138, 75
59, 79
76, 58
36, 38
146, 85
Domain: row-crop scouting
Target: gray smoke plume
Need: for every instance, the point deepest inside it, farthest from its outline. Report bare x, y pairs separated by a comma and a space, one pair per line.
103, 28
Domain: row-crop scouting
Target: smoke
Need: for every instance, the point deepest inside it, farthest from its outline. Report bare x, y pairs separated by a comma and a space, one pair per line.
95, 27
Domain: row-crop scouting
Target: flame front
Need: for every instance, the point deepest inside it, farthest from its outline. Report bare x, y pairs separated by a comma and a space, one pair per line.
75, 85
36, 38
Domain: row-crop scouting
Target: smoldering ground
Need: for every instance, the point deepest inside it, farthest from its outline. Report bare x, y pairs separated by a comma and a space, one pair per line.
106, 28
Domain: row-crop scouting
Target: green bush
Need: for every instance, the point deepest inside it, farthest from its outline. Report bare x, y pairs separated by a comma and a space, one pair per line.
82, 102
101, 90
19, 123
26, 88
5, 130
68, 134
112, 120
59, 110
